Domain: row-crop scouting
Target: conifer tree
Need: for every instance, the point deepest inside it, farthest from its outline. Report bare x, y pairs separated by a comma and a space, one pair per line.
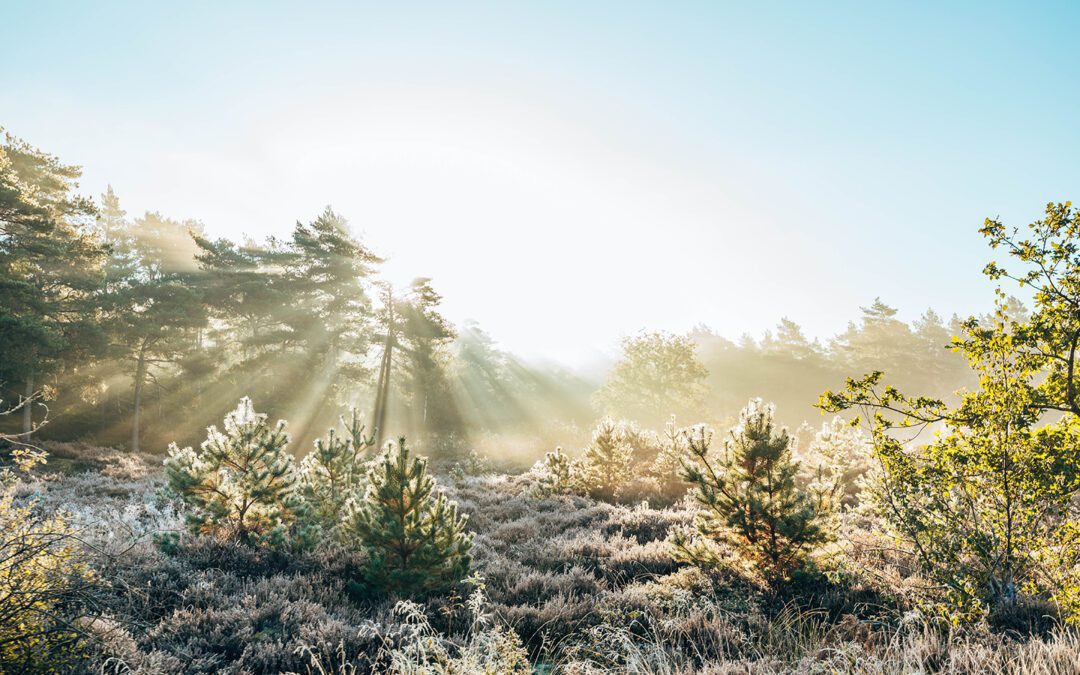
335, 471
50, 271
554, 472
414, 538
608, 461
748, 494
667, 468
241, 483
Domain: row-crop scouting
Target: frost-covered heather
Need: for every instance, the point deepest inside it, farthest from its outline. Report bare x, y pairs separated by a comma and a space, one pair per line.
570, 584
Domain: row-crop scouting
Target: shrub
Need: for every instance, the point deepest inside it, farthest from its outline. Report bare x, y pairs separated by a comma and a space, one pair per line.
834, 464
667, 468
241, 483
748, 496
414, 539
42, 573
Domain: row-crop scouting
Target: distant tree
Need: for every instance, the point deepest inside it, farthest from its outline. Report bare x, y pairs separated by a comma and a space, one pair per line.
790, 341
50, 269
658, 375
424, 337
748, 496
155, 312
415, 360
292, 319
241, 483
879, 338
414, 538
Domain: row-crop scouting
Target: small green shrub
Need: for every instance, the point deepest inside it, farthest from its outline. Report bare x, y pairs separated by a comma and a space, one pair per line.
335, 472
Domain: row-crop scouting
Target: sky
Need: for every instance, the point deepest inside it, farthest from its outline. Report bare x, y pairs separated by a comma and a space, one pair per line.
569, 173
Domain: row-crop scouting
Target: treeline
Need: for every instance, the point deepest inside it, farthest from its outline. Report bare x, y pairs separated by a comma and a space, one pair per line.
704, 376
137, 330
790, 369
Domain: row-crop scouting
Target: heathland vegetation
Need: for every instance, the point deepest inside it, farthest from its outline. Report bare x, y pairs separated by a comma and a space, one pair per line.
189, 485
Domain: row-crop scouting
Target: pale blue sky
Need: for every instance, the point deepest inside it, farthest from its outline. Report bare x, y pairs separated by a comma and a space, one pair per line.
570, 172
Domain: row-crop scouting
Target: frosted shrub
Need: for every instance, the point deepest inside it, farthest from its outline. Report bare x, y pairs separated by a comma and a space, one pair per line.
834, 464
667, 468
748, 497
42, 570
607, 464
553, 473
241, 483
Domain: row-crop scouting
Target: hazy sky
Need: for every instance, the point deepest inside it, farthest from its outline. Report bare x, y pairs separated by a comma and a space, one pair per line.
570, 172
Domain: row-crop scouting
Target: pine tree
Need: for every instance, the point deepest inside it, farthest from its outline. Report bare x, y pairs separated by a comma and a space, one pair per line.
554, 472
608, 461
335, 471
241, 483
748, 494
414, 538
50, 271
667, 468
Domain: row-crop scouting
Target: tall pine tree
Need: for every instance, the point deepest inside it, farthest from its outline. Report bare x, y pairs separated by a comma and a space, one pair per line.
50, 269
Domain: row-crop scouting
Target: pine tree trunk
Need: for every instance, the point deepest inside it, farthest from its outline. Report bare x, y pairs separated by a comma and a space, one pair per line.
28, 408
382, 395
140, 377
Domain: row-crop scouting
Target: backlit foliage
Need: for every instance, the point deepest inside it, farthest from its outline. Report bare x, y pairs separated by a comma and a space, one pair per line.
241, 483
658, 374
987, 507
607, 464
748, 496
42, 569
335, 471
554, 472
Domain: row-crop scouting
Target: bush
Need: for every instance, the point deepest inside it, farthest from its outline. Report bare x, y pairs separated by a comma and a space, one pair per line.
42, 577
334, 472
608, 462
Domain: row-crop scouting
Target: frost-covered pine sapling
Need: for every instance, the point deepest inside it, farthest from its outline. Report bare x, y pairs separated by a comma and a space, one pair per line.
414, 538
554, 472
834, 464
607, 464
241, 483
748, 496
667, 468
335, 471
